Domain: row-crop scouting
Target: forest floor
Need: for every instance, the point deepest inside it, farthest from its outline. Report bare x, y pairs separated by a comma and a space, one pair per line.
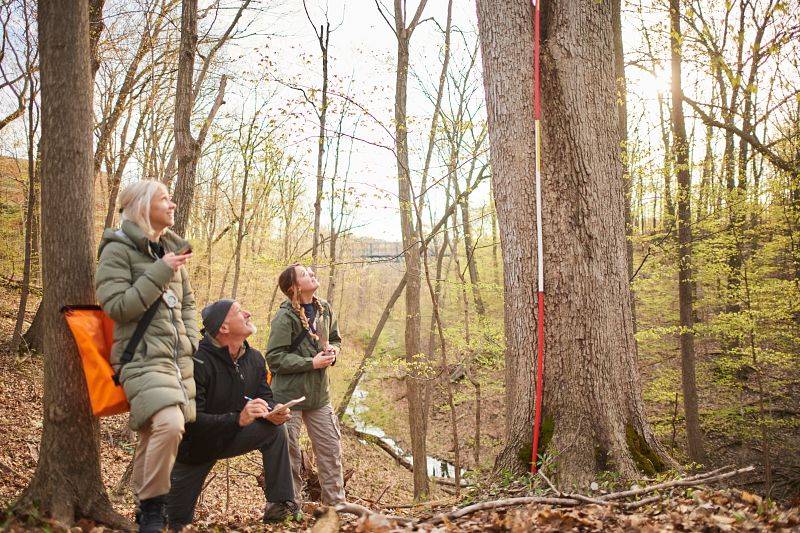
233, 500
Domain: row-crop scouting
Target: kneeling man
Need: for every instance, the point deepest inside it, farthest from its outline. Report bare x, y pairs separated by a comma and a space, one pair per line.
236, 414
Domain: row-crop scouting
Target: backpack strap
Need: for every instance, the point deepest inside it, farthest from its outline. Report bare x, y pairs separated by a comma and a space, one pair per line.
297, 340
136, 338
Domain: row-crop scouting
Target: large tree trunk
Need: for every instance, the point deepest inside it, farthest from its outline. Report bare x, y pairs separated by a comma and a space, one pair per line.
592, 392
67, 485
685, 296
186, 147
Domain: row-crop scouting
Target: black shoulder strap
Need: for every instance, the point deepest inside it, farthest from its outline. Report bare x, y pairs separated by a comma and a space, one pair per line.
297, 340
136, 338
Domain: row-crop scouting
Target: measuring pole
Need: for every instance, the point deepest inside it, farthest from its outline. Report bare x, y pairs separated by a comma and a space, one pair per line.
537, 116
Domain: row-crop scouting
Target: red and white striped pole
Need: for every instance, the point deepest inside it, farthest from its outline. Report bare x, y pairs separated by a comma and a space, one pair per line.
537, 115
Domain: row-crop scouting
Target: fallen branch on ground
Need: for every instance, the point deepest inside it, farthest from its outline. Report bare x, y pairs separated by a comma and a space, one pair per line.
569, 500
402, 461
361, 511
372, 439
687, 482
579, 497
432, 503
635, 505
498, 504
449, 482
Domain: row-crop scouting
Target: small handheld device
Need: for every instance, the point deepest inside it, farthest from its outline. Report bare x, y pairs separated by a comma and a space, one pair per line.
183, 250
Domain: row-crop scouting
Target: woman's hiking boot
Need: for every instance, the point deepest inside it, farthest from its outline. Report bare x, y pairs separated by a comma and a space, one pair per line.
153, 514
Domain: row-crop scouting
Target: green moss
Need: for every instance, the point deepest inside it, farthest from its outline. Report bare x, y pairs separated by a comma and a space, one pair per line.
545, 436
646, 460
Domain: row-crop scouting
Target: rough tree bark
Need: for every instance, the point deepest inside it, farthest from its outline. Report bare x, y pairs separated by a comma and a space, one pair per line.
592, 393
67, 484
685, 296
186, 147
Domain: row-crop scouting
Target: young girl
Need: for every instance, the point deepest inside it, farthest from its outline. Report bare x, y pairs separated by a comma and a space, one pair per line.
303, 342
141, 264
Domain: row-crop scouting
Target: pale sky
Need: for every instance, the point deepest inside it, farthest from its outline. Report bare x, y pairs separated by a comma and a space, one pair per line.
362, 55
362, 65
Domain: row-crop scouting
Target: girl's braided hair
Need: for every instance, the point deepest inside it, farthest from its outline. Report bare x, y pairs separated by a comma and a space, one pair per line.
287, 282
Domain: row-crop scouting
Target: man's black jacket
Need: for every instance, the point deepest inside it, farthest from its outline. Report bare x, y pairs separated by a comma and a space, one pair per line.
221, 388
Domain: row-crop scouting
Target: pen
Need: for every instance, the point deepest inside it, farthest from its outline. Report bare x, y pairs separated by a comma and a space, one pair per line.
248, 398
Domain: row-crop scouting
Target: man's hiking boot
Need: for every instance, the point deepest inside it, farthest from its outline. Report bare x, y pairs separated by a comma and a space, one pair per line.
153, 514
278, 512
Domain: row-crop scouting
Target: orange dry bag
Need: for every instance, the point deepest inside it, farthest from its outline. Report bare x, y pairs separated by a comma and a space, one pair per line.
93, 331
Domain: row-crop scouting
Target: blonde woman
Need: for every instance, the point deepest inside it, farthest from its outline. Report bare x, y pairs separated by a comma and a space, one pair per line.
303, 342
141, 283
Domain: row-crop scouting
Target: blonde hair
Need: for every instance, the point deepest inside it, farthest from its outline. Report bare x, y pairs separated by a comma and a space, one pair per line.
134, 204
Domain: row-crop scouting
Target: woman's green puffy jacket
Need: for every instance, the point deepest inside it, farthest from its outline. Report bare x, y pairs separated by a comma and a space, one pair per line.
129, 279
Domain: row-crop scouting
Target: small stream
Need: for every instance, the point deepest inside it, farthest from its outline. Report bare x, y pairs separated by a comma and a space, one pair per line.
436, 467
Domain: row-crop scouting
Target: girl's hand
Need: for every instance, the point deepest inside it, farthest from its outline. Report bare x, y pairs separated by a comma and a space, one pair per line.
322, 359
332, 350
175, 262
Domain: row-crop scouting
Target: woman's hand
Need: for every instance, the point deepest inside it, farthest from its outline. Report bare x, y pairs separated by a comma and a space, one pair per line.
322, 359
174, 261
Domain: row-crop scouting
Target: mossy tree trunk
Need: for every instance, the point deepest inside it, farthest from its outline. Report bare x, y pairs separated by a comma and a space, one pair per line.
592, 395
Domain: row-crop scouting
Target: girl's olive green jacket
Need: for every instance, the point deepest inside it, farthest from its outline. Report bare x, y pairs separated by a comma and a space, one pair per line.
129, 279
293, 373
